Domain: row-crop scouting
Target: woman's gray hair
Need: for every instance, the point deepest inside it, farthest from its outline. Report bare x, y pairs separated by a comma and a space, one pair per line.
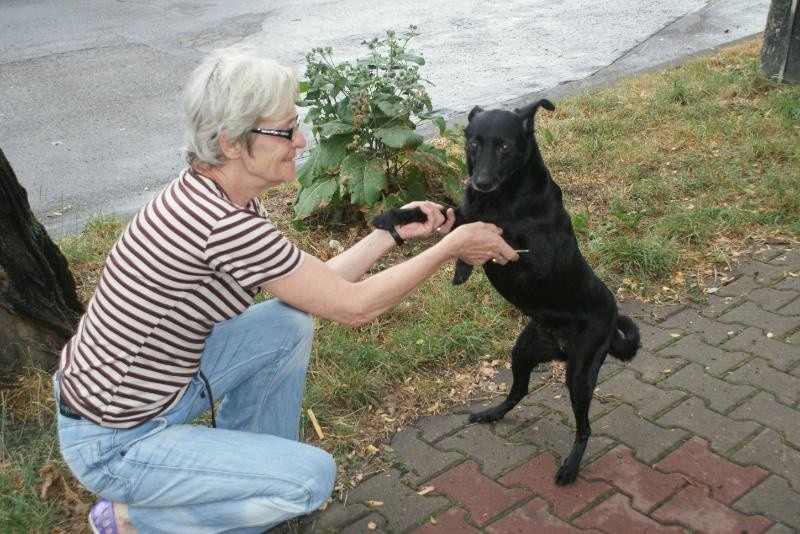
230, 92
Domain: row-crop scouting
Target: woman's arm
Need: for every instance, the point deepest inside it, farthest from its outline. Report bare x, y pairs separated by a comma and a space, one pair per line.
358, 259
318, 289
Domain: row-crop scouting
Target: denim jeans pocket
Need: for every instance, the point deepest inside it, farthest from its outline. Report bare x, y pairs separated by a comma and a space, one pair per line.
91, 469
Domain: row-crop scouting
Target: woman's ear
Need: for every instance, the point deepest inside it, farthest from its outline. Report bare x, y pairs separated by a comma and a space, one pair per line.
230, 149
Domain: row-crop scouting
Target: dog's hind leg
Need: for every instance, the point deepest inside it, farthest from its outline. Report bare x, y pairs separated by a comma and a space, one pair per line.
533, 346
583, 366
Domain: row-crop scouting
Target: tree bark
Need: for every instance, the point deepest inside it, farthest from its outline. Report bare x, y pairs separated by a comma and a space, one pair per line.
780, 54
39, 307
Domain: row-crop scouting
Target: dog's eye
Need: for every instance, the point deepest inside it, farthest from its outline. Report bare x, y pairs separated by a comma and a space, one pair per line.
472, 146
505, 148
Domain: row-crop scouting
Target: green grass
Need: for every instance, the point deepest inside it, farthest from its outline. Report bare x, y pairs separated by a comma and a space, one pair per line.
668, 176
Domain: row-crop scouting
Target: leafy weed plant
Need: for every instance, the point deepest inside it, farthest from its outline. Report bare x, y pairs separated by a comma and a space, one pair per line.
368, 154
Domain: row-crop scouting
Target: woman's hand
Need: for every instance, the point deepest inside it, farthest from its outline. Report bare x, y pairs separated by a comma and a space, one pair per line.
436, 220
479, 242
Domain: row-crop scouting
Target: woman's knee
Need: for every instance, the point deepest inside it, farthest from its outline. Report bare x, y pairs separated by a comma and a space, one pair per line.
322, 480
291, 320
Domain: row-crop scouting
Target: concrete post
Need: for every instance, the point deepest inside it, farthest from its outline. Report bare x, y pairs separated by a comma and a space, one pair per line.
780, 54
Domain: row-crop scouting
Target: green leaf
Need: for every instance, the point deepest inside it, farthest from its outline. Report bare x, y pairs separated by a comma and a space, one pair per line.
454, 188
335, 128
310, 198
398, 137
365, 179
439, 122
331, 153
391, 109
419, 60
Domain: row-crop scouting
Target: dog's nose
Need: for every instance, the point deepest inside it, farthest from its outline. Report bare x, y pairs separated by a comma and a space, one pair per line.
483, 183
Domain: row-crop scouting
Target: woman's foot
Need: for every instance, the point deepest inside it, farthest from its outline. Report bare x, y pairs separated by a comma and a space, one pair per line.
108, 517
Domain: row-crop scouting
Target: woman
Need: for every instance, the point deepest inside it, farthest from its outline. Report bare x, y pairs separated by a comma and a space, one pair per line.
170, 327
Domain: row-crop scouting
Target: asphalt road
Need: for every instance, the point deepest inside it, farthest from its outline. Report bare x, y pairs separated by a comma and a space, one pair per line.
90, 90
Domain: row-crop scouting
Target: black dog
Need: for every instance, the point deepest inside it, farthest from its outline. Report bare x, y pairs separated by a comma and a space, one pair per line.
573, 315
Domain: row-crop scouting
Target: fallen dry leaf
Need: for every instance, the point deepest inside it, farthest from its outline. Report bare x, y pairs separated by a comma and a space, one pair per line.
49, 475
371, 525
374, 504
426, 490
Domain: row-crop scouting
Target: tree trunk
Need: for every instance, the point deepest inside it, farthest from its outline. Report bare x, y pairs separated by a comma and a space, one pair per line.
780, 55
39, 307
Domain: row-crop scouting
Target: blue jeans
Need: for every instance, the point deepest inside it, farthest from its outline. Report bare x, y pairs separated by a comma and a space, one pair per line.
248, 474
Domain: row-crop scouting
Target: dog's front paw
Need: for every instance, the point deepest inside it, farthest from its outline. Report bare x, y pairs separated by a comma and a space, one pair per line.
398, 216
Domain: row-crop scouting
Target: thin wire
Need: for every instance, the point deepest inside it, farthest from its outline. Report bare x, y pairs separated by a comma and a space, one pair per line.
210, 397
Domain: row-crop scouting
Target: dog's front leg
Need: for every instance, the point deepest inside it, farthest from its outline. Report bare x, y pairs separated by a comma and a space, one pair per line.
463, 272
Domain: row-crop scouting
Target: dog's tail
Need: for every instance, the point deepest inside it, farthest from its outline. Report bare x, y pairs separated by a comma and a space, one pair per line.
625, 341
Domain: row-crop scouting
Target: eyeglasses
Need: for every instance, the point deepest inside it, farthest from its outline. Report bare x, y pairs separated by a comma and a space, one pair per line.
286, 134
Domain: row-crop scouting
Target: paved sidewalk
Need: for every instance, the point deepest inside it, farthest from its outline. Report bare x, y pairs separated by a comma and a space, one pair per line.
699, 433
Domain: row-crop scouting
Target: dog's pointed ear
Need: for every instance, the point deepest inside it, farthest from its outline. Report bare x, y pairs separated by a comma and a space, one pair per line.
528, 112
475, 111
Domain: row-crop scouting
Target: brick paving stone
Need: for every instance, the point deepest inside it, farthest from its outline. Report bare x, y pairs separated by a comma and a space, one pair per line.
779, 528
738, 287
374, 522
521, 415
692, 348
648, 399
646, 486
452, 521
653, 367
716, 305
482, 497
768, 451
775, 498
552, 434
720, 394
533, 517
690, 321
765, 410
722, 433
753, 340
693, 508
725, 480
757, 372
763, 273
495, 453
437, 426
790, 283
556, 397
423, 460
787, 257
654, 337
335, 517
615, 515
750, 314
538, 476
648, 440
647, 313
771, 299
402, 506
793, 308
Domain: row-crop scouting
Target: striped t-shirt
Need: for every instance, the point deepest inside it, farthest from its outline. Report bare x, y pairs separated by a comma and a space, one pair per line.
188, 260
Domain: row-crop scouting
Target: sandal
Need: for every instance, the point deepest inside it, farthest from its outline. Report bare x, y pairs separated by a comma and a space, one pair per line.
101, 518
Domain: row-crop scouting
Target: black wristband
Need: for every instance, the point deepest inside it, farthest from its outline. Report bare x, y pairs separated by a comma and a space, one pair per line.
396, 236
